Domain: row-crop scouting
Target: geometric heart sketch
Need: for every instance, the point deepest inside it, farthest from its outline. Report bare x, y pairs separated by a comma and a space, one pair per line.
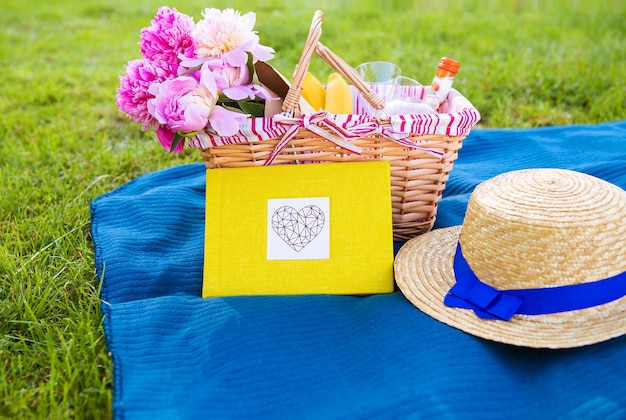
298, 227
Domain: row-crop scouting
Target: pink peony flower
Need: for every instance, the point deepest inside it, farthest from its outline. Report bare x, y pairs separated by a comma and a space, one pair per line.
227, 76
178, 104
223, 31
194, 78
133, 95
225, 122
234, 80
168, 38
185, 104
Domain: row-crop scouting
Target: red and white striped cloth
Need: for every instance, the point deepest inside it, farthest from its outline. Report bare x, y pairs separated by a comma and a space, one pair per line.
457, 118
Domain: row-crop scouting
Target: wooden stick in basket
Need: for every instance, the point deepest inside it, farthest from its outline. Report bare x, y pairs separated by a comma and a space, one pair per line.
291, 105
349, 73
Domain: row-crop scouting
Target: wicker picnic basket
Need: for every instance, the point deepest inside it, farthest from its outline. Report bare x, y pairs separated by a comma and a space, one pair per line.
420, 160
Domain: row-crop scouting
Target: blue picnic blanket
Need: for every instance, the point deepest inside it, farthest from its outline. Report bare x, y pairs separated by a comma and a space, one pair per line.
177, 355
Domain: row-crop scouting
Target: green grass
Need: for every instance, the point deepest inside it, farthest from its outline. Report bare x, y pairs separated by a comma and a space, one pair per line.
64, 143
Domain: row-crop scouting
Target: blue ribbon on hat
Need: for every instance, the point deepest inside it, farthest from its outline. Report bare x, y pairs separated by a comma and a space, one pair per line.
490, 303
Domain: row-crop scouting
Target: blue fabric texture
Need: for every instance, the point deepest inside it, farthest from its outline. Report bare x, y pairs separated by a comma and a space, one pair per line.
177, 355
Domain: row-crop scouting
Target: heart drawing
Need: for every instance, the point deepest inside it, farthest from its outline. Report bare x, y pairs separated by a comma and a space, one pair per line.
298, 228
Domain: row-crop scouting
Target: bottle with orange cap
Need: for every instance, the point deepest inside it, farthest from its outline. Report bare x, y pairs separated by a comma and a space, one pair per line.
442, 83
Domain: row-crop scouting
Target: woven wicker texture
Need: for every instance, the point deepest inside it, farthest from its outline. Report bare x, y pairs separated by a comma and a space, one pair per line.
418, 177
533, 228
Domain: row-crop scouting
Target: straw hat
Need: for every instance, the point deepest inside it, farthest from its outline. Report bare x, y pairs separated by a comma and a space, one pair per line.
528, 229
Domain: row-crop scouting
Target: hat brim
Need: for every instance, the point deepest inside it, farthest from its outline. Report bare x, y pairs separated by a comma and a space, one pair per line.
424, 273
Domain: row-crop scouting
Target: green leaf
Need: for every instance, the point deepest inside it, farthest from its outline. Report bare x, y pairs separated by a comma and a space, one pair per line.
256, 109
233, 108
221, 98
250, 67
191, 70
176, 141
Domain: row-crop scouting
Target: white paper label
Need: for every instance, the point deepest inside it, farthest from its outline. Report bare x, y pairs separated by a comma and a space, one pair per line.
298, 228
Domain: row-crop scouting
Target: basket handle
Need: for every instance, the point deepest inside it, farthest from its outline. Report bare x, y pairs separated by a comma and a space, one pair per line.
291, 103
349, 73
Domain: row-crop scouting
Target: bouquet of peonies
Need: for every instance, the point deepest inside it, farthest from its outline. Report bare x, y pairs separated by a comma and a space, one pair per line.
194, 77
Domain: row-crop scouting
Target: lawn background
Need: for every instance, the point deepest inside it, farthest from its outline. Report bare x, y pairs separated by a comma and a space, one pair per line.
63, 142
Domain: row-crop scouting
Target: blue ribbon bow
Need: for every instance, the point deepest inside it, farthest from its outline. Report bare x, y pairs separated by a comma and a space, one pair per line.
489, 303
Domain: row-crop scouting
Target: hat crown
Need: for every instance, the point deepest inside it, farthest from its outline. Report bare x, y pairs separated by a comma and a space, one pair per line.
544, 228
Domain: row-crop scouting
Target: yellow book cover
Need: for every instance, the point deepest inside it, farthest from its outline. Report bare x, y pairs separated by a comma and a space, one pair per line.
299, 229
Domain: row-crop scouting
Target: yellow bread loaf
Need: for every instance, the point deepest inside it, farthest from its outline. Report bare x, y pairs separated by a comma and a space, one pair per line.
338, 95
313, 92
